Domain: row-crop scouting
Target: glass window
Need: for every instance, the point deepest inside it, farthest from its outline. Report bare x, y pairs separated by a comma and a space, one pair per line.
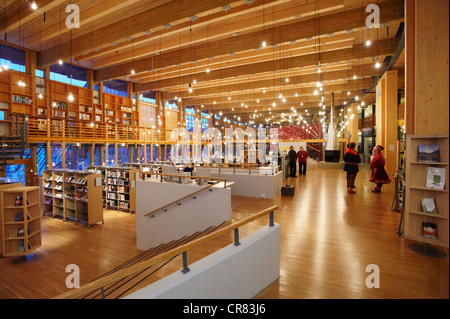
172, 104
12, 57
190, 120
68, 73
116, 87
149, 97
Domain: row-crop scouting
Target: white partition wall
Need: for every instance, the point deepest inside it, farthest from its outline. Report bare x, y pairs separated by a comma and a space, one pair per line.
234, 272
209, 208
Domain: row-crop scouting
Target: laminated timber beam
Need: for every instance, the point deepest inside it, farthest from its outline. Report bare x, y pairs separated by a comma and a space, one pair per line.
382, 47
148, 19
330, 23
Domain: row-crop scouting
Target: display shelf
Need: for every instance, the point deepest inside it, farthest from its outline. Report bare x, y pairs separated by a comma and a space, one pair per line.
119, 187
76, 196
415, 187
21, 224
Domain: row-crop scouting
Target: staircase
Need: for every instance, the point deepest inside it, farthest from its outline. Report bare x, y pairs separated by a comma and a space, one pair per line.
138, 281
15, 144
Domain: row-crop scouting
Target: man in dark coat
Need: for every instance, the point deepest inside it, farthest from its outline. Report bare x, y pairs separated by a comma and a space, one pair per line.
351, 159
293, 161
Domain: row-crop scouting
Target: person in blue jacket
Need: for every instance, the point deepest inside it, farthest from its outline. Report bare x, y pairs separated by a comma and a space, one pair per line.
351, 159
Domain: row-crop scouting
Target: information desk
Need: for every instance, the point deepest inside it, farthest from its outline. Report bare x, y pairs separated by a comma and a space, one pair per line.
260, 182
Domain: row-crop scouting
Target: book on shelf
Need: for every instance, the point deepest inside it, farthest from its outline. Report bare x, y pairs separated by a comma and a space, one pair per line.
21, 246
429, 153
428, 205
429, 230
19, 201
435, 178
18, 217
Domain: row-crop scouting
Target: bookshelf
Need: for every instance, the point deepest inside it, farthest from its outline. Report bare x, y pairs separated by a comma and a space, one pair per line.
21, 223
415, 184
5, 183
119, 187
73, 196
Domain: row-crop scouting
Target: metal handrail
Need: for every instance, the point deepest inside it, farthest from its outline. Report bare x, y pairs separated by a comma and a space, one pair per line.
103, 281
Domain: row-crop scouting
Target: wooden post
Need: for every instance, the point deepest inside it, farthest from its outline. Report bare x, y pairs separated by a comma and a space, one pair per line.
410, 69
431, 67
63, 152
386, 113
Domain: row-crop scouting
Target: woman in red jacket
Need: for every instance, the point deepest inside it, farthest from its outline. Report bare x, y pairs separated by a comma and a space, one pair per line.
379, 175
302, 157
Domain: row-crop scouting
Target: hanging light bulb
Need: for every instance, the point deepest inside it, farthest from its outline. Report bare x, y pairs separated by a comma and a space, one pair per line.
377, 65
34, 5
5, 66
41, 96
264, 44
132, 71
316, 92
357, 98
348, 92
368, 43
60, 62
208, 70
71, 98
354, 77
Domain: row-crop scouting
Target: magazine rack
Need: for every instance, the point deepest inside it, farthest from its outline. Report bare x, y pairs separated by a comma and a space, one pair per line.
415, 183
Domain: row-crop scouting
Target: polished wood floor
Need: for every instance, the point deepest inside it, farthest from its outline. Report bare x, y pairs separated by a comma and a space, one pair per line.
328, 237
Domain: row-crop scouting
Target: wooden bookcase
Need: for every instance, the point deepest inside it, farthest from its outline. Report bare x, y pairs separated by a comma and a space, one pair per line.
5, 184
119, 187
415, 181
21, 222
73, 196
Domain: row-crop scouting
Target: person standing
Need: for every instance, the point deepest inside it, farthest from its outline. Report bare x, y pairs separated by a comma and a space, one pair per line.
351, 159
293, 161
302, 157
379, 175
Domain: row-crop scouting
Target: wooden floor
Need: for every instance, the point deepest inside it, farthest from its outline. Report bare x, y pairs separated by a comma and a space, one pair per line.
328, 237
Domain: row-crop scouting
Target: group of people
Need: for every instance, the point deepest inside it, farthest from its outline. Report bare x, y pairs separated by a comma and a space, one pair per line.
379, 175
351, 159
302, 157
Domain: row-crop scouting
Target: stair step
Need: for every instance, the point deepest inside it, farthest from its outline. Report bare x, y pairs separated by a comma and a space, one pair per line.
139, 280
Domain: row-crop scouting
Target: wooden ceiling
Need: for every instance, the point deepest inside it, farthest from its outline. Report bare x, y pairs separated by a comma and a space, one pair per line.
171, 46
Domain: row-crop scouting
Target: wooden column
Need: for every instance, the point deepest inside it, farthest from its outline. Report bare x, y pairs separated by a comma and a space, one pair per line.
92, 155
387, 123
48, 155
431, 67
352, 117
63, 152
106, 156
410, 76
